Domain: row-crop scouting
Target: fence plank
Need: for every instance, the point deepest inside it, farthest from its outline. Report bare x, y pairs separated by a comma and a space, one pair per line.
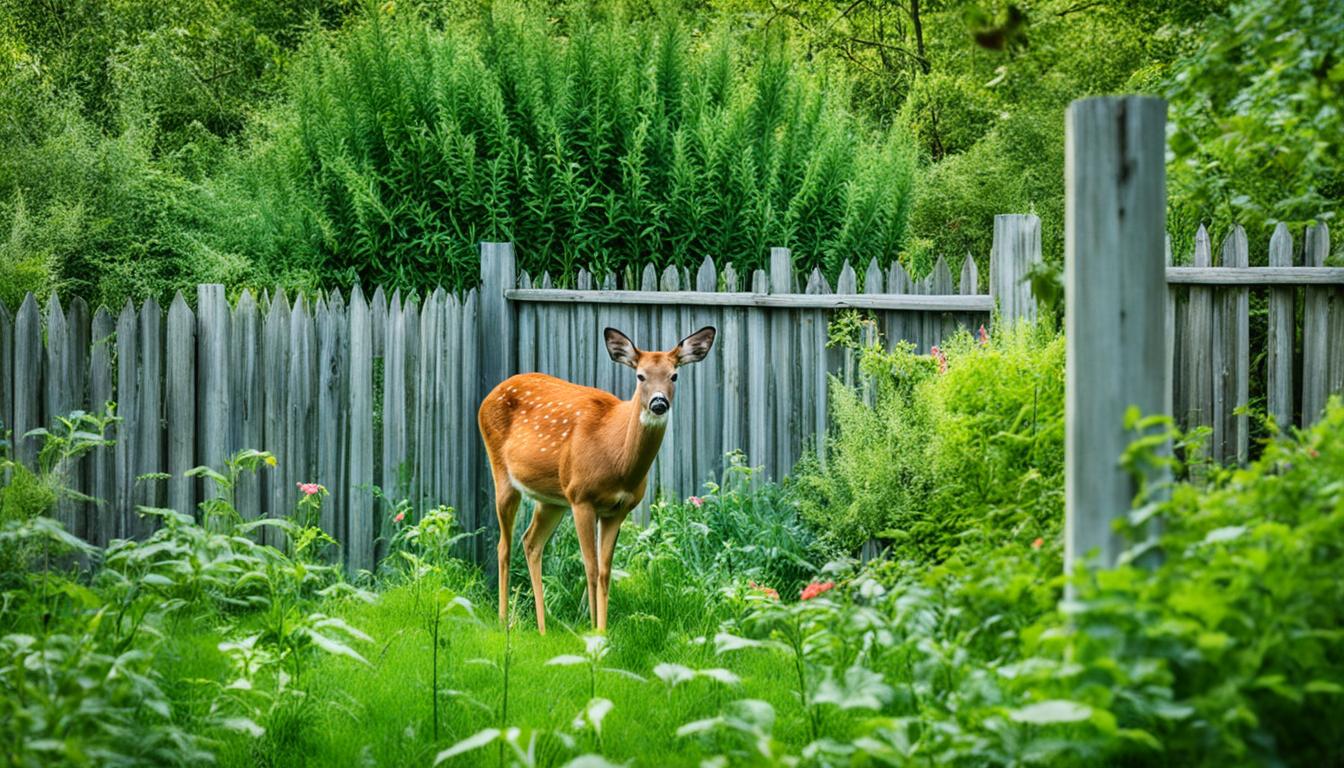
360, 521
475, 326
59, 399
1197, 357
668, 467
944, 325
276, 484
1114, 313
102, 487
329, 417
847, 284
708, 373
758, 391
1279, 363
394, 399
247, 400
527, 330
299, 407
1315, 327
1233, 377
730, 345
902, 326
180, 404
812, 355
1015, 251
149, 459
410, 309
28, 380
783, 362
128, 430
212, 372
77, 330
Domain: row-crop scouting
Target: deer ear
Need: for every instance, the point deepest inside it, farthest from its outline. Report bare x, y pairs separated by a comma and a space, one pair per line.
621, 348
693, 348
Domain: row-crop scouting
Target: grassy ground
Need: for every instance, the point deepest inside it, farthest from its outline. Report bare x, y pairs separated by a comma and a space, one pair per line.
382, 714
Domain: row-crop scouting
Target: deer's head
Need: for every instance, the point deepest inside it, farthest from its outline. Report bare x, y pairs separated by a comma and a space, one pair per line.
656, 372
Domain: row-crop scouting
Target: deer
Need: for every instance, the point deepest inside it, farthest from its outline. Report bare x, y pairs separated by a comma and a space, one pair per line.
567, 446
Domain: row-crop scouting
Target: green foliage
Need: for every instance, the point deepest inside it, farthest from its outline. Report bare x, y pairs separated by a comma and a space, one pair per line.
401, 146
940, 453
1256, 114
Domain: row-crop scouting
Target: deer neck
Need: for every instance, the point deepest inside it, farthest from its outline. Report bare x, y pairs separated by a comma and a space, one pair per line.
642, 440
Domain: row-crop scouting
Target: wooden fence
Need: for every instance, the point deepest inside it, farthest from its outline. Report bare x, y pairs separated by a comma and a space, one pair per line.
352, 392
1142, 333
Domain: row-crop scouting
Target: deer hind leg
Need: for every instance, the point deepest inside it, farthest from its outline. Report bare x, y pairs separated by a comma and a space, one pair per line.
585, 524
506, 507
544, 520
611, 528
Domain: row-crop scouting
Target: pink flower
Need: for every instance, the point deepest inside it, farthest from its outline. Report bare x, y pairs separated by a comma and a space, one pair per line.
309, 488
816, 588
400, 516
938, 355
1037, 543
697, 501
769, 592
984, 336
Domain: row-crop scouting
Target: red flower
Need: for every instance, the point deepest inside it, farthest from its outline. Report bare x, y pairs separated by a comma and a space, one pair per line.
309, 488
769, 592
816, 588
696, 501
1037, 543
940, 357
984, 336
400, 516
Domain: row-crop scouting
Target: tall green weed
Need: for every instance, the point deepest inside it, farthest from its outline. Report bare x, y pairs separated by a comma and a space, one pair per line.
972, 447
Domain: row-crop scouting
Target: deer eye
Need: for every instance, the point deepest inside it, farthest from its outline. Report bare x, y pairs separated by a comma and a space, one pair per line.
639, 376
674, 377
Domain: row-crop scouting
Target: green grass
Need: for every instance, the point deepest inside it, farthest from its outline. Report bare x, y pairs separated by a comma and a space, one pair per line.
381, 714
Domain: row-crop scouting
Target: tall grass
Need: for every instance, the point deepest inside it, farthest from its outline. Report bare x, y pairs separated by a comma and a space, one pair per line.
400, 146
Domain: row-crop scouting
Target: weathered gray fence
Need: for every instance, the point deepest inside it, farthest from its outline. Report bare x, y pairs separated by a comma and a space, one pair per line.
351, 392
1171, 339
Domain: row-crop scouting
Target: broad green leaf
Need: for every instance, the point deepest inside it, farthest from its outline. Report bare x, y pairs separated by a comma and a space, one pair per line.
475, 741
1051, 711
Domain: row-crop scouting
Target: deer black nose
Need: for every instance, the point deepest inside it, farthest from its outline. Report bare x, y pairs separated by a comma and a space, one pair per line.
659, 405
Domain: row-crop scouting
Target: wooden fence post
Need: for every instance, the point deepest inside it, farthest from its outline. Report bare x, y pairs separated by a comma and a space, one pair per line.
496, 356
1016, 249
1115, 313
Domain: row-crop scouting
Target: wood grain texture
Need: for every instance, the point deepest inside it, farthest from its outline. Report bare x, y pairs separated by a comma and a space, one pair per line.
179, 398
29, 366
1282, 333
945, 303
362, 527
1114, 257
1015, 251
102, 480
1315, 327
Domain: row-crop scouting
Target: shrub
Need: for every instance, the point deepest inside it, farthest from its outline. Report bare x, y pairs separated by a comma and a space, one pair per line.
401, 146
941, 453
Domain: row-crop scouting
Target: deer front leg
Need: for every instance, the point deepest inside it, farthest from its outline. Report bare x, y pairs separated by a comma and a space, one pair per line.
544, 520
506, 507
585, 523
611, 528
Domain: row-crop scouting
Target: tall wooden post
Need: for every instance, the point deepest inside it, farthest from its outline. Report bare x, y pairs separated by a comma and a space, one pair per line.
1016, 249
497, 361
1115, 314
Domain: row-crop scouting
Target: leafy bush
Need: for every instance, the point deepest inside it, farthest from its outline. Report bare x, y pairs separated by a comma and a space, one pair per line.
943, 453
401, 146
1257, 133
1227, 652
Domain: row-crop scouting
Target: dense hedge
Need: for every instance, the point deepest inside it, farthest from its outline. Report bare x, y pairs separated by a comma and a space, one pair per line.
401, 146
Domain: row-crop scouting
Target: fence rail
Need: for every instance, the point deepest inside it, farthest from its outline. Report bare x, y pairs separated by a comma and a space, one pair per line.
352, 391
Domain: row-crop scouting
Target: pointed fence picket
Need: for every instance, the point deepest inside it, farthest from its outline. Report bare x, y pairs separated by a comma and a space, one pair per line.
353, 391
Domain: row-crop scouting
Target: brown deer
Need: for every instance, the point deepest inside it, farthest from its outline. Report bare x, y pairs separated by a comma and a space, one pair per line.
567, 445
